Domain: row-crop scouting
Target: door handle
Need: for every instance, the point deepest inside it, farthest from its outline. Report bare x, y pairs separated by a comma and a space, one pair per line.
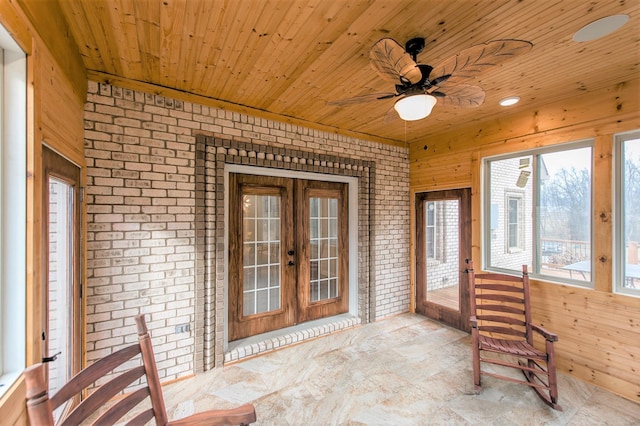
51, 358
291, 263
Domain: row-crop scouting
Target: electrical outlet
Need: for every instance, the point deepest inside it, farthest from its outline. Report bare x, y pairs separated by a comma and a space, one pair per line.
182, 328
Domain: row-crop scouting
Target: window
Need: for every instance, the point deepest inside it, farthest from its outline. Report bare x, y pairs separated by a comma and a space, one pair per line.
430, 227
12, 209
538, 212
627, 218
515, 228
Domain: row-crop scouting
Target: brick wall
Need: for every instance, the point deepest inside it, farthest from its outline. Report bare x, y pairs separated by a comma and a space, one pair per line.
142, 235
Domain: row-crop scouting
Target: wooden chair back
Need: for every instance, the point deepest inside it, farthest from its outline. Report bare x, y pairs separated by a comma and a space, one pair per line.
501, 305
40, 407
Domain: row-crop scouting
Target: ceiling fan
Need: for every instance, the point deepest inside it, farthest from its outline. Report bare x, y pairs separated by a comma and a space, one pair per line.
420, 86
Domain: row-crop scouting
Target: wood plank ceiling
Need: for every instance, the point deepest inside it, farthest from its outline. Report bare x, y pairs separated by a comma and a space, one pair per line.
289, 57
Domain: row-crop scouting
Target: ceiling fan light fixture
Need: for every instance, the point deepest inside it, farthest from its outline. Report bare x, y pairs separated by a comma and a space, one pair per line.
511, 100
415, 107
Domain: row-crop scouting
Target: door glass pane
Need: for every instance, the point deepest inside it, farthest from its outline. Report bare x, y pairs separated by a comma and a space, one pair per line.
60, 282
323, 216
442, 252
261, 253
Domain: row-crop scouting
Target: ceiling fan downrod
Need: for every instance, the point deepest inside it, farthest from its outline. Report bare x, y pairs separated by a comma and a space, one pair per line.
414, 46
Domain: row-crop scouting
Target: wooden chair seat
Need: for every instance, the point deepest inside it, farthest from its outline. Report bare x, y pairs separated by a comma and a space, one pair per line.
501, 324
40, 407
511, 347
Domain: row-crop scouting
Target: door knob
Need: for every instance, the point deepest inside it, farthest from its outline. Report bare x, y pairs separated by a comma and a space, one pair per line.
290, 252
291, 263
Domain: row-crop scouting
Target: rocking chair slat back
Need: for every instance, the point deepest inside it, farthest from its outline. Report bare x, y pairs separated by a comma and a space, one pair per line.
114, 376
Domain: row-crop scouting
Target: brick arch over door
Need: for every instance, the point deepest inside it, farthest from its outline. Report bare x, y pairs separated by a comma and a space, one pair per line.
212, 154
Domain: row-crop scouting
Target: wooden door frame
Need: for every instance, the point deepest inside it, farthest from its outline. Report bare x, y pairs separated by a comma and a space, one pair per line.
56, 165
458, 319
293, 253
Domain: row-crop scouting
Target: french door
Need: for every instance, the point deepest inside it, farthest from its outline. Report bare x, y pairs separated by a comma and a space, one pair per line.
288, 252
61, 329
443, 244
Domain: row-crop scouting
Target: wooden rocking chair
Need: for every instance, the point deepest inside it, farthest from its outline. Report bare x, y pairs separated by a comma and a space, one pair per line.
41, 407
501, 324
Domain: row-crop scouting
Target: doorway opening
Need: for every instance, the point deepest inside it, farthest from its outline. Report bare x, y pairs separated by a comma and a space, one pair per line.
292, 253
61, 322
288, 252
443, 244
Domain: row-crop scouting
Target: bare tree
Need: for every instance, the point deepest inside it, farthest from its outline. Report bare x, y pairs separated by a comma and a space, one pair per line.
566, 197
632, 199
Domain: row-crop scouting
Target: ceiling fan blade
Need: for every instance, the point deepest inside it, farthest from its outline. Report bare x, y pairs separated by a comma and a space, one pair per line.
460, 95
473, 61
393, 63
439, 80
390, 116
362, 99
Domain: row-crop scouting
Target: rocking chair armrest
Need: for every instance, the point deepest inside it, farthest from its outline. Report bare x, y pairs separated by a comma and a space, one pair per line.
242, 415
473, 321
552, 337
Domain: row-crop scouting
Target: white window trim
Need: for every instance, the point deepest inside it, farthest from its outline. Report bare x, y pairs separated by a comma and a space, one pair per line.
619, 252
13, 137
520, 231
435, 256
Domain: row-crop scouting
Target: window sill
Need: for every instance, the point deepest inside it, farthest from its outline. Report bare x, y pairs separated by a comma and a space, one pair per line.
627, 292
433, 262
13, 410
7, 380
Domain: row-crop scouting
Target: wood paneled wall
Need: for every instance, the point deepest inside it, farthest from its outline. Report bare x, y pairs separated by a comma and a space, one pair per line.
599, 331
56, 91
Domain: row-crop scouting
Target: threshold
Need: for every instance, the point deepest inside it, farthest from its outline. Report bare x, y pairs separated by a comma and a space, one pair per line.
267, 342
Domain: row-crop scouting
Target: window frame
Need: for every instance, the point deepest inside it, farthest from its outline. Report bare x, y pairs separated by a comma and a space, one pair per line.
619, 241
486, 218
434, 229
520, 234
13, 209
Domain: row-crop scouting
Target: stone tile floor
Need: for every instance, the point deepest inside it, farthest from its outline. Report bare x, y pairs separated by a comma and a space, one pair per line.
402, 370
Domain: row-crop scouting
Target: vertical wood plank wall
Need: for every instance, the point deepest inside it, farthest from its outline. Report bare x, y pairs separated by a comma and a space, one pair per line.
599, 331
56, 91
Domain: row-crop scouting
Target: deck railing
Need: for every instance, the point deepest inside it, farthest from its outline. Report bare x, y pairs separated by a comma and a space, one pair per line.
564, 252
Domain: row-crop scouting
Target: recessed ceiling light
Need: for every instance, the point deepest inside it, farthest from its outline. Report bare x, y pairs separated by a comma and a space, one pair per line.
511, 100
600, 28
